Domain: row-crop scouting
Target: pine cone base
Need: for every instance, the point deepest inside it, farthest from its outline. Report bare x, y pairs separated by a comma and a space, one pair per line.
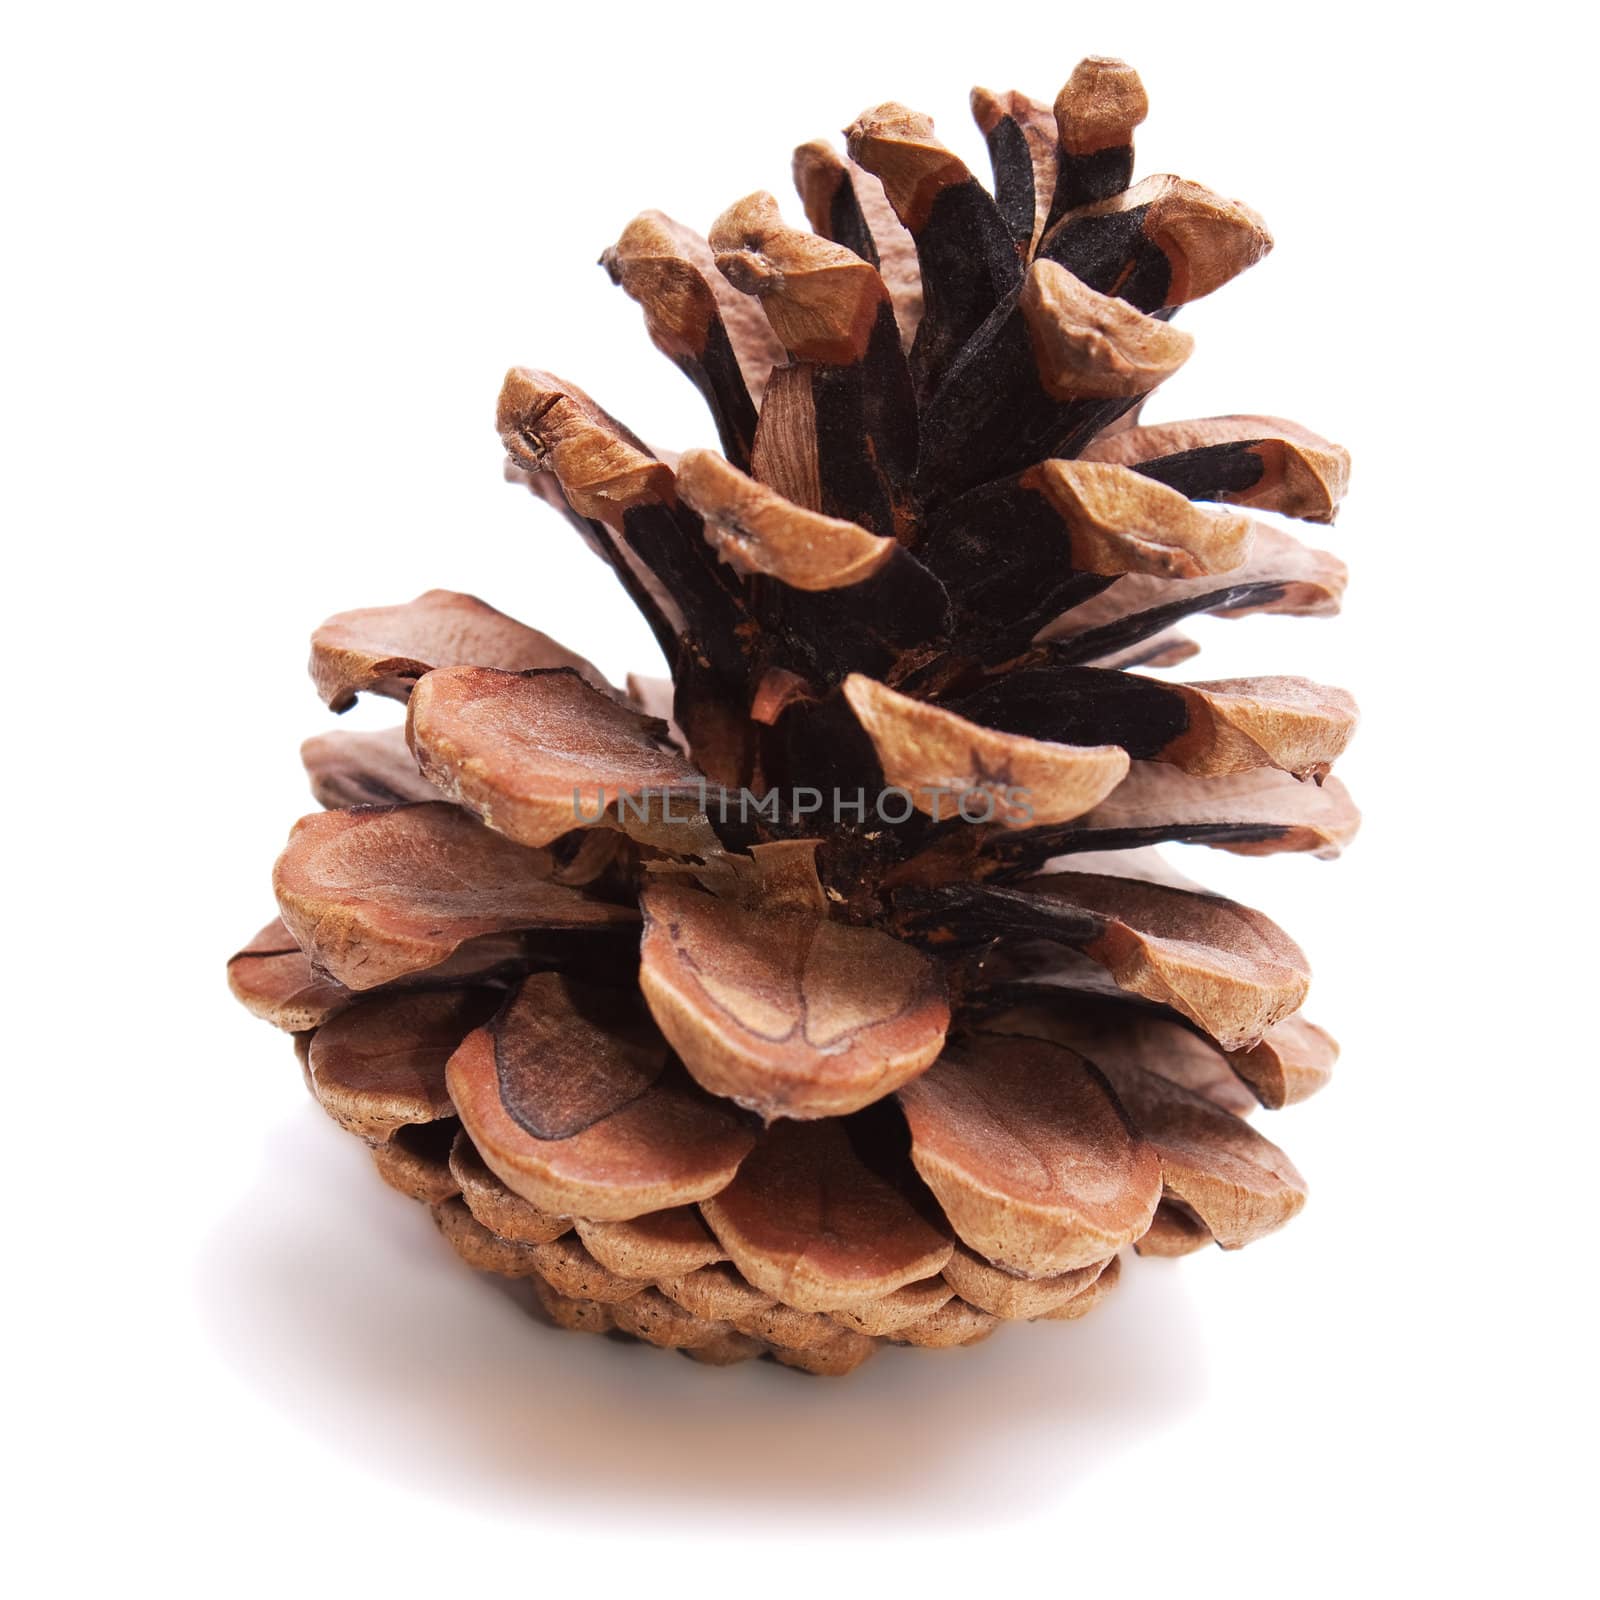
709, 1312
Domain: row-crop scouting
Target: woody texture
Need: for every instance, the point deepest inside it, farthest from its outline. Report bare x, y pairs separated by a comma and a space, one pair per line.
801, 1081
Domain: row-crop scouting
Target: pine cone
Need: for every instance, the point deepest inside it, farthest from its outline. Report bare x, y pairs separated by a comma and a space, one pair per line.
829, 995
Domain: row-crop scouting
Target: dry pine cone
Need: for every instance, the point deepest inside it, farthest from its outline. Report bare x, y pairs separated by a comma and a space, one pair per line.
804, 1077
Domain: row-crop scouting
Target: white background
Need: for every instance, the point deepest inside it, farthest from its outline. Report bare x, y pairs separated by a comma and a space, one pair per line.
266, 266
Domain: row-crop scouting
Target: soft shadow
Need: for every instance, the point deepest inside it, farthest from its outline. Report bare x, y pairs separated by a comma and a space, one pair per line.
337, 1299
